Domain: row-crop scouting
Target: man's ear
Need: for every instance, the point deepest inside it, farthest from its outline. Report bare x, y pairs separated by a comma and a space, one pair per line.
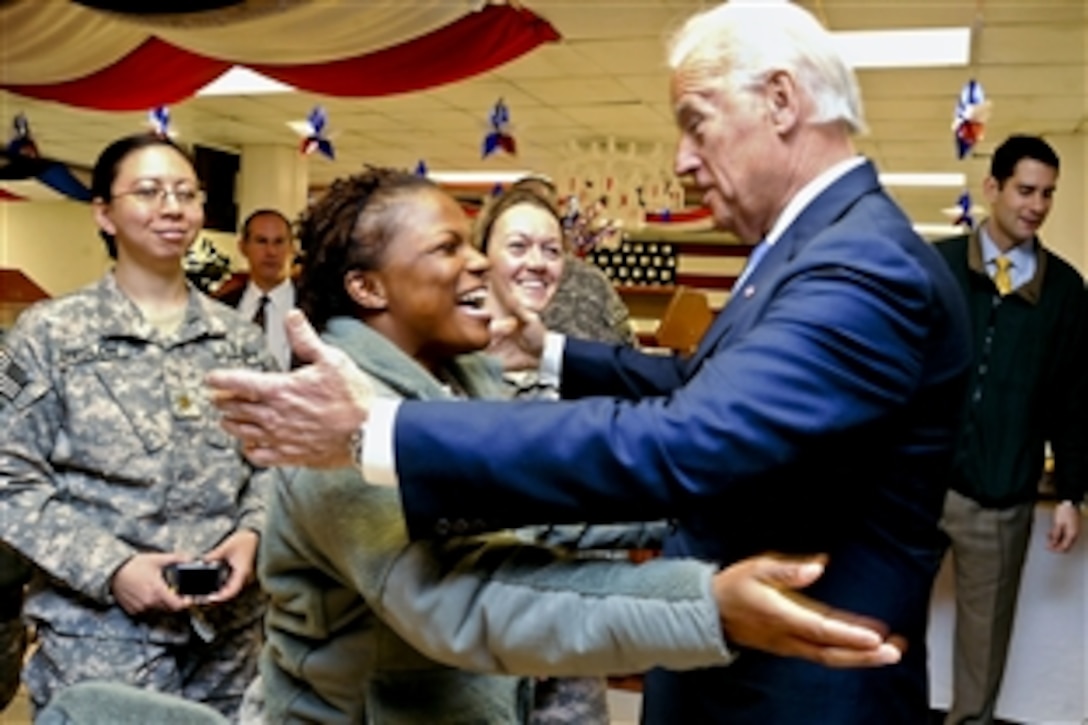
991, 188
783, 101
102, 217
366, 289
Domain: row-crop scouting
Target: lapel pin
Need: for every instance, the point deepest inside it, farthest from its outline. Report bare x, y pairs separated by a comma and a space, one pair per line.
749, 291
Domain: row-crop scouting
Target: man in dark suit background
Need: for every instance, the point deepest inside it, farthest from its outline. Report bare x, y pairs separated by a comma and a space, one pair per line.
267, 243
818, 414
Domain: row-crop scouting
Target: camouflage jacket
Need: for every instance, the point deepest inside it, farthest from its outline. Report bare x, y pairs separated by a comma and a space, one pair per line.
359, 616
586, 305
111, 447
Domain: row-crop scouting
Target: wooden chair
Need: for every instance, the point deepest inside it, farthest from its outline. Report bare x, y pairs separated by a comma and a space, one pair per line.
684, 321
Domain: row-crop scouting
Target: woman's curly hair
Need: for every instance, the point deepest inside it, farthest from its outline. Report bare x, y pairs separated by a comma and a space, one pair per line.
347, 229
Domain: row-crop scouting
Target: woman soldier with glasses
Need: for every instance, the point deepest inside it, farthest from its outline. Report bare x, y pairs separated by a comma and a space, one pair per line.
113, 469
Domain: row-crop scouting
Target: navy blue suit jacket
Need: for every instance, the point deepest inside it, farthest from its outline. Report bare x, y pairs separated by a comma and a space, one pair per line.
817, 415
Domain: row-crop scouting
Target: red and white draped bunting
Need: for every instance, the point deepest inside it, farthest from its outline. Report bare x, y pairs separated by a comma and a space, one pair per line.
333, 47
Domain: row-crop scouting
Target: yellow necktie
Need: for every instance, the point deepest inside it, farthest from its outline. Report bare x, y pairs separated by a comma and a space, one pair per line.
1002, 279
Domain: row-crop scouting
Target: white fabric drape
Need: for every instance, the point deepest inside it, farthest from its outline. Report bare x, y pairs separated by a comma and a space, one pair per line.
50, 41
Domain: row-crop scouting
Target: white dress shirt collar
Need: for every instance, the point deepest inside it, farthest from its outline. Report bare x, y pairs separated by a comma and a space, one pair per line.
808, 192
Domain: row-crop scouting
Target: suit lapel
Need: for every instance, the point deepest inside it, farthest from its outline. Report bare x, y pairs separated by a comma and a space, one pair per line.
824, 211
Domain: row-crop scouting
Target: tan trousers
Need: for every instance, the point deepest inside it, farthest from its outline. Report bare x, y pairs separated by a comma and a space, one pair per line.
988, 551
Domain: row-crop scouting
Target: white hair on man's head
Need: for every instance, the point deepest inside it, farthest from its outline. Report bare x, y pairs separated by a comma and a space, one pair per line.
742, 43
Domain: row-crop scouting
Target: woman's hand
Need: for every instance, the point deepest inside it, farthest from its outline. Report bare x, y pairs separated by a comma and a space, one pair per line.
239, 551
138, 585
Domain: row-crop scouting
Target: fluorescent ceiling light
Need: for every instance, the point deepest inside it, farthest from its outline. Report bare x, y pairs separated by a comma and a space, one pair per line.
240, 81
938, 230
955, 211
913, 48
955, 179
302, 128
481, 178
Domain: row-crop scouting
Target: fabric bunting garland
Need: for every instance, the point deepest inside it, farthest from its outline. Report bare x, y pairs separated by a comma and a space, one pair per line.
969, 120
316, 140
23, 161
499, 136
157, 71
963, 207
159, 120
22, 144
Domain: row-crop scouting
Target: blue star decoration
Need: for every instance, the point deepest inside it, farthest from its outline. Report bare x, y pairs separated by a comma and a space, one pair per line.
963, 204
159, 118
969, 120
499, 136
316, 141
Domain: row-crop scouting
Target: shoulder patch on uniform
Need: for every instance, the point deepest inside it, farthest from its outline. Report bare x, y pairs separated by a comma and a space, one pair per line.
12, 377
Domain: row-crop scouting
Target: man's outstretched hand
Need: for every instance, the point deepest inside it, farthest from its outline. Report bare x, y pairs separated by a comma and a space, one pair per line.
762, 609
517, 339
305, 417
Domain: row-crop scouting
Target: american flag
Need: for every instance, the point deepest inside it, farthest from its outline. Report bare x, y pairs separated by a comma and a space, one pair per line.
646, 272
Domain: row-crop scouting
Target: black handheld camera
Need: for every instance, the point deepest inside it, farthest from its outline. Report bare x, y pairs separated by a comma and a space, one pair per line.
196, 578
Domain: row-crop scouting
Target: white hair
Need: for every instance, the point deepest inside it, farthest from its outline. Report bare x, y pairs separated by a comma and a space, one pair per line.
744, 42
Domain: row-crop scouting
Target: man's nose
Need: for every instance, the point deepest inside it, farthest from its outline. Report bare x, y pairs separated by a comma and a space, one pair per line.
685, 160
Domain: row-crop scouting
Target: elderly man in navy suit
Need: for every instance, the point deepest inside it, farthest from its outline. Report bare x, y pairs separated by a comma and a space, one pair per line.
818, 414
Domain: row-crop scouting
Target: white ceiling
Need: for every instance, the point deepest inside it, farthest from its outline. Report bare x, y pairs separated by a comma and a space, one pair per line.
606, 79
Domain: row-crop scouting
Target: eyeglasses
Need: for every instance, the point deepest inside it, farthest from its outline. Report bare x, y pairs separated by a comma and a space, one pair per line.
157, 195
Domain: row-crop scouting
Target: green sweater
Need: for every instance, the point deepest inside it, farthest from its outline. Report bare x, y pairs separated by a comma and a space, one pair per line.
1027, 385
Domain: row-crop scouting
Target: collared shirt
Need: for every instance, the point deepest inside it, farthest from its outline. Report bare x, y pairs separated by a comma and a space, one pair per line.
1022, 257
378, 462
281, 298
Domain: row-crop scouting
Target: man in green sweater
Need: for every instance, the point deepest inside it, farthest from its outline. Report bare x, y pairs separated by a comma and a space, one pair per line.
1027, 388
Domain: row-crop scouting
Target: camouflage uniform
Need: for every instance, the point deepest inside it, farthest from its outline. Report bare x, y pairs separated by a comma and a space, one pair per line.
112, 448
586, 305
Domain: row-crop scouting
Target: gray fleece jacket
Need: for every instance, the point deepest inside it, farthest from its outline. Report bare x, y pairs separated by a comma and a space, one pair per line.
365, 626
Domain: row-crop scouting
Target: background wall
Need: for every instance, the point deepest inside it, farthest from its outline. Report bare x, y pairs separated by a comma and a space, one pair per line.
57, 245
53, 242
1064, 232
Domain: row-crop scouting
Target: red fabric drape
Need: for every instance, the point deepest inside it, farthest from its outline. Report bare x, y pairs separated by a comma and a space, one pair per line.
476, 43
158, 73
154, 74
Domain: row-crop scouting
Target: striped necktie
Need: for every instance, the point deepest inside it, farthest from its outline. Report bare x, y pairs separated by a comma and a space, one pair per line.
1002, 278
